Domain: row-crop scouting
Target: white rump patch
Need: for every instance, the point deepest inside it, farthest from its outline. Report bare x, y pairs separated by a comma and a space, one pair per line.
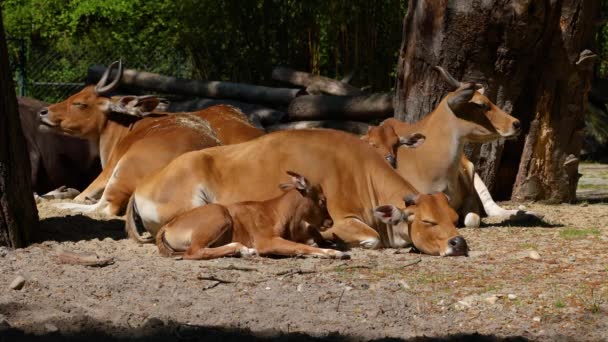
148, 212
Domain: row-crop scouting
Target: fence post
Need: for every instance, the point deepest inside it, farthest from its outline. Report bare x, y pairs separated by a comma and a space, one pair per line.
22, 67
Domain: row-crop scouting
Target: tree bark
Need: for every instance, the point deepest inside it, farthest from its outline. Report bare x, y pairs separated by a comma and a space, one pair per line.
314, 84
212, 89
531, 57
18, 214
361, 108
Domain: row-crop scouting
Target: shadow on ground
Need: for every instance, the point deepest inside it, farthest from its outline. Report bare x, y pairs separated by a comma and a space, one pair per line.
78, 227
159, 331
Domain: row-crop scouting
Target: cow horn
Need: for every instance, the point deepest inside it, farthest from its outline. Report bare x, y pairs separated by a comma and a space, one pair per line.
101, 88
449, 78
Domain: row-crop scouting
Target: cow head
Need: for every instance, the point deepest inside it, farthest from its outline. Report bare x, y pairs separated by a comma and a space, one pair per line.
313, 206
483, 119
386, 141
431, 224
85, 113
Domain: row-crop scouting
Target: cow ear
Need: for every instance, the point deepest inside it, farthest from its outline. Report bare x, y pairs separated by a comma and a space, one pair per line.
146, 104
462, 95
388, 214
410, 199
413, 140
299, 181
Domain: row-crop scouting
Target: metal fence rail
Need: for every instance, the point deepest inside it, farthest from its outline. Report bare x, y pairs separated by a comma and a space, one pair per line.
52, 76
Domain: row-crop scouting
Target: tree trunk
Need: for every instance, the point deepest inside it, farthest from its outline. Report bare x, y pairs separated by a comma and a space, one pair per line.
531, 56
18, 214
361, 108
212, 89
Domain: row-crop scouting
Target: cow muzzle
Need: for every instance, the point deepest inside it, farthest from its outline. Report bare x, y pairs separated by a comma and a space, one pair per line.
457, 246
43, 115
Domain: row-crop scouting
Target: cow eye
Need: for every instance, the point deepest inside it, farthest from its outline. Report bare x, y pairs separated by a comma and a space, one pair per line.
79, 104
429, 222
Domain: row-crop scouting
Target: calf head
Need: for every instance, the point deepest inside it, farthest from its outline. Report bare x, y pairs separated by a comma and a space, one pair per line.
312, 208
386, 141
483, 119
431, 223
85, 113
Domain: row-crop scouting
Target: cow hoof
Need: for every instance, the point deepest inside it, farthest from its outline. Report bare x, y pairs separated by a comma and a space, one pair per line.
246, 252
371, 243
342, 255
472, 220
61, 193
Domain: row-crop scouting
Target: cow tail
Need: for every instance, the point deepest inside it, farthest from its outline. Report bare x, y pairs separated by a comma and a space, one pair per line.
134, 225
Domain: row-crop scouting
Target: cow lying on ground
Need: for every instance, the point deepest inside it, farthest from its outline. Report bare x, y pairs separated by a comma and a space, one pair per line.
353, 176
134, 140
424, 213
465, 115
56, 160
279, 226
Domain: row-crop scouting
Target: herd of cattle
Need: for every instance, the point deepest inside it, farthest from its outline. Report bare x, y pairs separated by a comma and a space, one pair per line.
207, 184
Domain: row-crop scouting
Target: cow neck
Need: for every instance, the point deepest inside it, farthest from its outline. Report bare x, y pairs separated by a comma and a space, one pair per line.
439, 157
111, 134
389, 186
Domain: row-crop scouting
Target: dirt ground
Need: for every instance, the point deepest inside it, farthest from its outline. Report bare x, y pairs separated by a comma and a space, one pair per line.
503, 290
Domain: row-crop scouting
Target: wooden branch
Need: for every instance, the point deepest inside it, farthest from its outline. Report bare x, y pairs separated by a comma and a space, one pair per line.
315, 84
364, 107
358, 128
212, 89
85, 259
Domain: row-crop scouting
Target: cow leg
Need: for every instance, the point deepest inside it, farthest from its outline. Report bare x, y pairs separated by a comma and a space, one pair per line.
353, 233
95, 189
493, 209
282, 247
469, 209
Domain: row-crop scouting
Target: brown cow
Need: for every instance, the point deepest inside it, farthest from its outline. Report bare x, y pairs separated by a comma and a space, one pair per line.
279, 226
56, 160
134, 140
353, 176
465, 115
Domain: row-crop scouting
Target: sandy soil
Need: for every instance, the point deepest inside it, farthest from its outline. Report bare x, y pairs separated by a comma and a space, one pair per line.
499, 292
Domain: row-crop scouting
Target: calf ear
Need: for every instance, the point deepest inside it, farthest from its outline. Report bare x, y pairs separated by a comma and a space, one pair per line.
388, 214
299, 181
413, 140
146, 104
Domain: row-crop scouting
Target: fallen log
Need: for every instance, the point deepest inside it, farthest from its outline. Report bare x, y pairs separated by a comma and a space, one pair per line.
358, 128
263, 115
85, 259
314, 84
359, 108
212, 89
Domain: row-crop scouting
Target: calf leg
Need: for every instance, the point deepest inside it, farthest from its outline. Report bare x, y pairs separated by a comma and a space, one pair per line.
191, 233
354, 233
280, 246
95, 189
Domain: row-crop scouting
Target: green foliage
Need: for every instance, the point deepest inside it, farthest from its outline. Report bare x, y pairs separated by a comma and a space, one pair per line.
220, 40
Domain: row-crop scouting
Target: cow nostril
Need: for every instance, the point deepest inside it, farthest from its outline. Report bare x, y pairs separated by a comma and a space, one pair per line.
457, 241
43, 112
516, 124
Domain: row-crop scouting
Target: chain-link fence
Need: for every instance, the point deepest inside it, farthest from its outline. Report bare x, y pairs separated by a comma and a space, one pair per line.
52, 76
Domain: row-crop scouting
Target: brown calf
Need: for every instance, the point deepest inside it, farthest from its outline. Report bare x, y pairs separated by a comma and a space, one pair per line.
428, 221
279, 226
